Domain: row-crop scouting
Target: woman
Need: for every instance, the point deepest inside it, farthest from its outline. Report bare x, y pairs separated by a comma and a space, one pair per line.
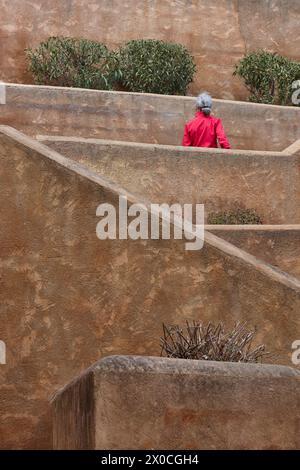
205, 130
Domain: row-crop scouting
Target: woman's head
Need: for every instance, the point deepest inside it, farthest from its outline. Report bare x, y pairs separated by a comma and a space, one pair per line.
204, 103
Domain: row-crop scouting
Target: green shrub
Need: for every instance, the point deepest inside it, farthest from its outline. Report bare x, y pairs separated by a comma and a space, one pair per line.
268, 77
235, 217
152, 66
72, 62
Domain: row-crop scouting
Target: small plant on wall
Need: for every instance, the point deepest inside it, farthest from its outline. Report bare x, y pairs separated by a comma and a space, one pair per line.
211, 343
269, 77
152, 66
235, 217
71, 62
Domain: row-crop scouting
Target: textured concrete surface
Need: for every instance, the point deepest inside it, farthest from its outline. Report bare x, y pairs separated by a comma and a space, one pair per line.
279, 246
220, 179
156, 403
68, 299
142, 118
217, 32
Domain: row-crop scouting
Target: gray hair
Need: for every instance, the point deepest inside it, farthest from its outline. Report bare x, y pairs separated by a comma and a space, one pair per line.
204, 103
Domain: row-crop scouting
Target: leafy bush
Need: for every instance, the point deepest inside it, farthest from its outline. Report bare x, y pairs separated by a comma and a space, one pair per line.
72, 62
211, 343
152, 66
235, 217
268, 77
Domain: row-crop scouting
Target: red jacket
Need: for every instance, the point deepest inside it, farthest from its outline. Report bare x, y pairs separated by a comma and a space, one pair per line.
205, 131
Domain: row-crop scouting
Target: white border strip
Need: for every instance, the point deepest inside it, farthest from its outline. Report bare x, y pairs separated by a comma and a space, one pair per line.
2, 93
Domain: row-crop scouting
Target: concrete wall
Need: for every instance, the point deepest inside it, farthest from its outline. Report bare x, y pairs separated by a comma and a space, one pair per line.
279, 246
220, 179
217, 32
68, 299
153, 403
141, 117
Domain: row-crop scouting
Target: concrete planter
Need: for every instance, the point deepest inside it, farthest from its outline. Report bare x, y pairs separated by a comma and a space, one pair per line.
128, 402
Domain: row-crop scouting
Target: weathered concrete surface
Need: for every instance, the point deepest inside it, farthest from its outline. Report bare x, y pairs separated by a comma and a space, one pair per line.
277, 245
217, 32
220, 179
155, 403
68, 299
142, 118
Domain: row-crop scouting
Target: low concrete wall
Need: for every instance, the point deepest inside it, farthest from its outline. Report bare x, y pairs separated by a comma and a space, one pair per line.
217, 32
220, 179
153, 403
141, 117
277, 245
68, 299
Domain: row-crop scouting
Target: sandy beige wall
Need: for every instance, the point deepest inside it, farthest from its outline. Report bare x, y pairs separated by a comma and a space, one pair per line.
222, 180
217, 32
157, 403
279, 246
141, 117
68, 299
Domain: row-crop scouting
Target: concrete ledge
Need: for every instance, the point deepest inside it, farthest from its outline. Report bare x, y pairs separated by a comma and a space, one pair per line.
277, 245
252, 228
142, 117
192, 151
220, 179
293, 149
156, 403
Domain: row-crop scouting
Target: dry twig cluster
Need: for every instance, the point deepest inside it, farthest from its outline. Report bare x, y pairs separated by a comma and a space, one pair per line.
211, 343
